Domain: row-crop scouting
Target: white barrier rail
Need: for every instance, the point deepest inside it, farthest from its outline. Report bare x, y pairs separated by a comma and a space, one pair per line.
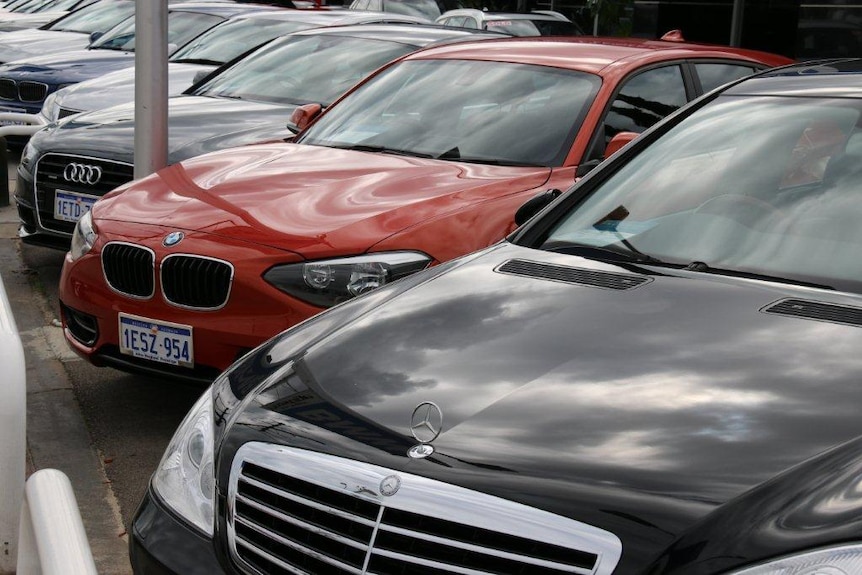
13, 401
53, 540
26, 124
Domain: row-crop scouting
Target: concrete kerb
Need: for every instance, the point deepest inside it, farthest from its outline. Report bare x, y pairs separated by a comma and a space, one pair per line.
57, 436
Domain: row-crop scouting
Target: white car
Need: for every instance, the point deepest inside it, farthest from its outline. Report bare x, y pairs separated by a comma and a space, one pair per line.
536, 23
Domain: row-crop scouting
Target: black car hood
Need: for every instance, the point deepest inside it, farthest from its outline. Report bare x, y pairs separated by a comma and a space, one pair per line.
637, 410
69, 67
196, 125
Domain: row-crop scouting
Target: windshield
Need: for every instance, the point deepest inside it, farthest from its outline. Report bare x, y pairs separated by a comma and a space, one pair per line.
227, 41
474, 111
761, 186
519, 27
98, 17
421, 8
303, 69
58, 5
182, 27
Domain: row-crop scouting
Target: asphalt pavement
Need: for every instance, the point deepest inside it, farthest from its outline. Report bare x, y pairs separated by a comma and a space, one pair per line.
105, 429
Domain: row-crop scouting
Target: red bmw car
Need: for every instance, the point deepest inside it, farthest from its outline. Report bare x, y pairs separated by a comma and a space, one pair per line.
428, 159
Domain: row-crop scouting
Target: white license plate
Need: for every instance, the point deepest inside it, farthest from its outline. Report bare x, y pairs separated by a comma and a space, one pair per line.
156, 340
70, 206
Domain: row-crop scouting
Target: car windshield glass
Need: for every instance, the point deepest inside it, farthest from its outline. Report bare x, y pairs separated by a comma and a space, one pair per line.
523, 27
473, 111
421, 8
182, 27
227, 41
60, 5
759, 186
303, 69
97, 17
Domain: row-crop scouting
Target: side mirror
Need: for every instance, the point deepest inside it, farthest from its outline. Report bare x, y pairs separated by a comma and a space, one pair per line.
535, 205
200, 75
618, 141
304, 115
95, 36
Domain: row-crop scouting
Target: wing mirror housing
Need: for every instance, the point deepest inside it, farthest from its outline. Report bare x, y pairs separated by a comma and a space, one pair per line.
95, 36
618, 141
304, 115
535, 205
200, 75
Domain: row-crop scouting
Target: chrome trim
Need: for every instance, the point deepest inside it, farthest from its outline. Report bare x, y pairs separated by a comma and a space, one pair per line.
41, 225
43, 84
191, 307
105, 276
419, 495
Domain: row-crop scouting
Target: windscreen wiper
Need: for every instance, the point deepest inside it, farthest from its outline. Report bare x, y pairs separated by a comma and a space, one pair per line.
383, 150
610, 253
702, 267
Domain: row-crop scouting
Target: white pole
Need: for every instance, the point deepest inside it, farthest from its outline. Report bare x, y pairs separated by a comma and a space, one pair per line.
151, 86
13, 407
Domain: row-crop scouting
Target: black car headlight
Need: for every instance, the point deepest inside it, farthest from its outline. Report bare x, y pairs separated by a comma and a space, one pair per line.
325, 283
185, 479
839, 560
28, 157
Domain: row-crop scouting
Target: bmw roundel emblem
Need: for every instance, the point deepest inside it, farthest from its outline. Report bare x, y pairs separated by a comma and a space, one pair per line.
173, 239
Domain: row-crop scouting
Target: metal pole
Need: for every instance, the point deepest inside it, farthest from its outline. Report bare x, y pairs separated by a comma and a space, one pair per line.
151, 86
4, 172
736, 23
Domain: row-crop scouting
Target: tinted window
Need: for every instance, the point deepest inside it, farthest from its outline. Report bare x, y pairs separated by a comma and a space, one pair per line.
421, 8
645, 99
182, 27
713, 75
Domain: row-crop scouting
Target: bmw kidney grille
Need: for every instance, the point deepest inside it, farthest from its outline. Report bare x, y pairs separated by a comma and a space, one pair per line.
295, 511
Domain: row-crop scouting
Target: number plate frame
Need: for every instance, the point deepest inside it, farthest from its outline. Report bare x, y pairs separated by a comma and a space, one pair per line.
73, 198
146, 338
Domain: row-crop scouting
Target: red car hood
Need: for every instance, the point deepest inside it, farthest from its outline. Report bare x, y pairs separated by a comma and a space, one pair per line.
309, 199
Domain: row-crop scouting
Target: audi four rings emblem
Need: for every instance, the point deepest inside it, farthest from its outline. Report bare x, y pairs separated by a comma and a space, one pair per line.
82, 174
427, 422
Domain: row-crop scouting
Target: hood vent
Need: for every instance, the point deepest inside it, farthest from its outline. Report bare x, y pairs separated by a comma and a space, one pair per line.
578, 276
816, 310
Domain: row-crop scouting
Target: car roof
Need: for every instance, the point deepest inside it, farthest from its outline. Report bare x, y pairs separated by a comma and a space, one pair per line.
588, 53
415, 34
836, 78
328, 17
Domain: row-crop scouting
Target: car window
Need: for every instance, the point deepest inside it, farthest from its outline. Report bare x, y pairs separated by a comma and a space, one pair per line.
753, 185
182, 27
713, 74
645, 99
422, 8
97, 17
475, 111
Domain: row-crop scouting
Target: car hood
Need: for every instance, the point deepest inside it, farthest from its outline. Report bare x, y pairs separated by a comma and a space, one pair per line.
635, 410
309, 199
69, 67
196, 125
23, 44
119, 87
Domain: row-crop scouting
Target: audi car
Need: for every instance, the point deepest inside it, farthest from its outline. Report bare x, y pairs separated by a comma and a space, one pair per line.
657, 374
426, 160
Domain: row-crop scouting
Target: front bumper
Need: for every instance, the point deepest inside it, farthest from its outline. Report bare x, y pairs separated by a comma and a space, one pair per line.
160, 544
30, 231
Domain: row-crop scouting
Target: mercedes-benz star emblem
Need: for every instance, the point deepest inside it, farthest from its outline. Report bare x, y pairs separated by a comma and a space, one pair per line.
390, 485
173, 239
82, 174
427, 422
420, 451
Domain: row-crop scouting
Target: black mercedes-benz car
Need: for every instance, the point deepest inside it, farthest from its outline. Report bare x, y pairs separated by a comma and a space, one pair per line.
658, 373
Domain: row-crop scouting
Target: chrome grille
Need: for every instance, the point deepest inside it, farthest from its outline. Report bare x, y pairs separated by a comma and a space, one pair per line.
8, 89
49, 178
129, 269
32, 91
195, 281
296, 511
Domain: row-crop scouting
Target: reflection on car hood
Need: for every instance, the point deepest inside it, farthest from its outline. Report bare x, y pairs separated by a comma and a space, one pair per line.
70, 66
29, 43
309, 199
119, 87
196, 125
637, 411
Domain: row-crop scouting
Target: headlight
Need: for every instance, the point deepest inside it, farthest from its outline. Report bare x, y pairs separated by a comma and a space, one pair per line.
328, 282
83, 237
28, 156
50, 109
843, 560
184, 479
